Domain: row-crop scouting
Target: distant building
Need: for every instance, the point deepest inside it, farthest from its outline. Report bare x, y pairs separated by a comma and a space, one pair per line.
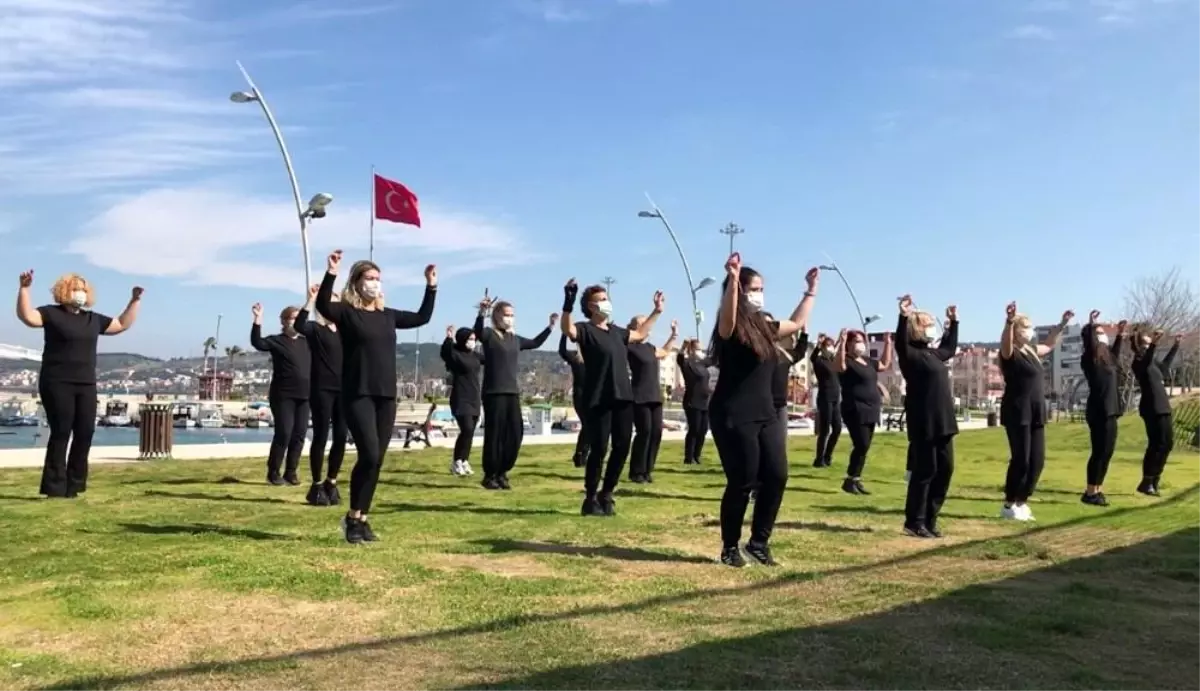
215, 386
1061, 368
975, 377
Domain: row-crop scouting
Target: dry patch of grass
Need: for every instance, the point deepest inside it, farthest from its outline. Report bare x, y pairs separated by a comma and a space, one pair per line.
508, 566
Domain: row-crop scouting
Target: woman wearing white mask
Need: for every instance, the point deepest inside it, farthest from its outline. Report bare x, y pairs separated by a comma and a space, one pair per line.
861, 399
67, 379
503, 426
607, 396
829, 398
1099, 362
929, 410
1023, 408
368, 332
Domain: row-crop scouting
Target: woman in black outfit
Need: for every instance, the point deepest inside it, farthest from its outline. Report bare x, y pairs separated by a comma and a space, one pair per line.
463, 363
368, 331
288, 393
693, 367
745, 420
929, 410
829, 396
575, 361
67, 378
607, 394
503, 426
1099, 363
647, 401
325, 393
862, 402
1023, 408
1154, 406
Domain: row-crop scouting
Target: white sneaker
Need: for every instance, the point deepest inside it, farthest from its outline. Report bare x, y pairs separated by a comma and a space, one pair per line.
1009, 513
466, 468
1024, 513
907, 475
456, 468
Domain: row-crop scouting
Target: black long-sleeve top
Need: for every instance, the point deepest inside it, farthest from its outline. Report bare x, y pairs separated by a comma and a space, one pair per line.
291, 362
501, 353
696, 385
325, 349
1101, 374
1024, 399
1149, 374
644, 375
779, 384
829, 388
861, 400
929, 401
369, 340
575, 361
463, 365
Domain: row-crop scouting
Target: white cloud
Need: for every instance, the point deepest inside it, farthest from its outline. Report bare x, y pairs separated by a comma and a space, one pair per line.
216, 236
1034, 32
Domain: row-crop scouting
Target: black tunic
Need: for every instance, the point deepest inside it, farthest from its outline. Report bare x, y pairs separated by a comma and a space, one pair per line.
1103, 400
743, 392
463, 366
325, 348
605, 364
644, 373
1024, 399
861, 401
696, 389
1149, 374
501, 353
929, 401
70, 341
291, 363
829, 390
575, 362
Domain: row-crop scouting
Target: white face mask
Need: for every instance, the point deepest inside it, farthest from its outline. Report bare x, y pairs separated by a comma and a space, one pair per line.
506, 323
1102, 338
371, 289
756, 300
79, 298
471, 344
931, 333
860, 349
604, 307
828, 350
1027, 335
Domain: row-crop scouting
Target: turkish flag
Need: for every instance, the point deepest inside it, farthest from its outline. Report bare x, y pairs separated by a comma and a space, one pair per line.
395, 202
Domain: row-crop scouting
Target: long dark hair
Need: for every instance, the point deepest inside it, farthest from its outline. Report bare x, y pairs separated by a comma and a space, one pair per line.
750, 327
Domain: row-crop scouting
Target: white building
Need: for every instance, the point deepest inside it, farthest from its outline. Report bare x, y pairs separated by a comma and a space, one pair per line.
1063, 373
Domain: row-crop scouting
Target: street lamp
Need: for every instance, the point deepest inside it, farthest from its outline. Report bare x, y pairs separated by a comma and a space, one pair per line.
832, 266
687, 270
316, 207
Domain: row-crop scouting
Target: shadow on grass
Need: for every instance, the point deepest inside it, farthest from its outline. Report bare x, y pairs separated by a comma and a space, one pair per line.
18, 497
466, 508
815, 526
650, 494
608, 552
880, 511
931, 664
202, 529
185, 481
200, 496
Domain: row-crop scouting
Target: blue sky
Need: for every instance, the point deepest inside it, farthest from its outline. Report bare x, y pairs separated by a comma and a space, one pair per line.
971, 152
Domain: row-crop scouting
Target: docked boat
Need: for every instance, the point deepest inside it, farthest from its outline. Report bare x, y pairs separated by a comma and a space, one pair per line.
211, 417
116, 414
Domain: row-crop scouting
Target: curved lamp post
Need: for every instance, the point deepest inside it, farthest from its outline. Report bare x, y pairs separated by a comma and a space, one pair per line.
687, 269
316, 206
865, 321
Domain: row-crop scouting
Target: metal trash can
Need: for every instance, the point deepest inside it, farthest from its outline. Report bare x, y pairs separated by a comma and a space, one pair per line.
156, 430
991, 418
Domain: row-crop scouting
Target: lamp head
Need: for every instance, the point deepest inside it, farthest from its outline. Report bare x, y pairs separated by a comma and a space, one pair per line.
316, 206
242, 97
827, 267
705, 282
649, 214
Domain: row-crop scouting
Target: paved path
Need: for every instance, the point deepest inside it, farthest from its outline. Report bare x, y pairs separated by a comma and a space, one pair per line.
33, 457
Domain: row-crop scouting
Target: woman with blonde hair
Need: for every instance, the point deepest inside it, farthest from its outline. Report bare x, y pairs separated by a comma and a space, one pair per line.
929, 410
862, 400
325, 346
503, 425
67, 379
368, 333
1023, 408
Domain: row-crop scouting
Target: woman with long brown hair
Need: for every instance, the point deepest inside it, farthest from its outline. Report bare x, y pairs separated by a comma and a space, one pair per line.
1100, 364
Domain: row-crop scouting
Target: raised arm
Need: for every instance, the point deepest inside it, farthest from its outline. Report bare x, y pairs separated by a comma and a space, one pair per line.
128, 315
256, 337
1118, 343
301, 324
642, 333
885, 360
333, 311
537, 341
948, 347
839, 358
901, 336
799, 319
1170, 357
415, 320
25, 311
1008, 336
727, 318
1047, 347
566, 325
668, 347
801, 347
1086, 334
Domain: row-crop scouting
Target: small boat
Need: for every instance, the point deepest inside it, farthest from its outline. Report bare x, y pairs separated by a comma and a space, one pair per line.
116, 414
210, 417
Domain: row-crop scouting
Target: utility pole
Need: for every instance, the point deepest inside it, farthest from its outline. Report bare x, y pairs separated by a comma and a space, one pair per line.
608, 283
732, 230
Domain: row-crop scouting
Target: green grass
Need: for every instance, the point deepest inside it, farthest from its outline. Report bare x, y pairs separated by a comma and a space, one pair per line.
197, 575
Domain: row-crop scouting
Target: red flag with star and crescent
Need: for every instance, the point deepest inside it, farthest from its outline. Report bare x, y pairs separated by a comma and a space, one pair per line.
395, 202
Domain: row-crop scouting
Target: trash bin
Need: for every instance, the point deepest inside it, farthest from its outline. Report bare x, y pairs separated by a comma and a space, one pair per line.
156, 431
991, 418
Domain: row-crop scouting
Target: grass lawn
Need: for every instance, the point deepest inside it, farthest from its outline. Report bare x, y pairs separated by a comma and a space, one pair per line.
198, 575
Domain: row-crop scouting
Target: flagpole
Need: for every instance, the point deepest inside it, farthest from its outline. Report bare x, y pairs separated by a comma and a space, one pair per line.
371, 249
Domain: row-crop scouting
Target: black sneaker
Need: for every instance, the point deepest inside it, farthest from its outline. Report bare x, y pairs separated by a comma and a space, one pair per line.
818, 463
1147, 488
352, 530
368, 534
331, 492
918, 531
291, 479
934, 532
316, 495
1096, 499
732, 556
591, 507
858, 485
275, 480
490, 482
502, 481
849, 487
637, 479
608, 506
761, 553
650, 478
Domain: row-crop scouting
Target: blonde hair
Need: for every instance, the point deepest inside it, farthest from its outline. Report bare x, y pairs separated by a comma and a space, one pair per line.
350, 294
917, 322
1027, 349
66, 284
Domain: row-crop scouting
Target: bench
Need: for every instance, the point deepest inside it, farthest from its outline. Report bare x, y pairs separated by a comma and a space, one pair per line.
894, 420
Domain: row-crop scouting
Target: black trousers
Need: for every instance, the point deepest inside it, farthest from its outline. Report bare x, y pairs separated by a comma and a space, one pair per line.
327, 417
754, 458
861, 436
607, 423
647, 437
908, 458
1160, 439
467, 422
933, 466
71, 413
1103, 433
581, 440
697, 431
829, 428
372, 420
291, 424
503, 432
1027, 459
